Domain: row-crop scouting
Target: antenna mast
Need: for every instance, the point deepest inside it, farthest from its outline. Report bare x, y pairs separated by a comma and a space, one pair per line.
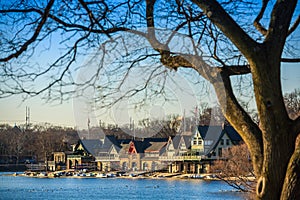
27, 117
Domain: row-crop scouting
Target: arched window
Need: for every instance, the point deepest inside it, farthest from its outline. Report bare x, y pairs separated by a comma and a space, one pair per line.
145, 166
154, 166
134, 166
125, 166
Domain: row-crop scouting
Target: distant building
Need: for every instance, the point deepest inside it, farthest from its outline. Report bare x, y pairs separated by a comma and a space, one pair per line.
107, 156
195, 153
59, 161
82, 156
184, 153
142, 155
150, 160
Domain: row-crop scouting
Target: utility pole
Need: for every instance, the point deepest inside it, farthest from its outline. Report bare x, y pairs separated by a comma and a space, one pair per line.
88, 124
196, 116
133, 130
184, 125
27, 117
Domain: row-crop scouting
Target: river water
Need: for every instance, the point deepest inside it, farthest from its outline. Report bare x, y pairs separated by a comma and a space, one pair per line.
116, 188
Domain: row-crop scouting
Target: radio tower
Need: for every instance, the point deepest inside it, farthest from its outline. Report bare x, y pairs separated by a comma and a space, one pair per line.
27, 117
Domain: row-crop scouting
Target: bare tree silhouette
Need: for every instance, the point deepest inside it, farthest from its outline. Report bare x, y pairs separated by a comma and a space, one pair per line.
226, 39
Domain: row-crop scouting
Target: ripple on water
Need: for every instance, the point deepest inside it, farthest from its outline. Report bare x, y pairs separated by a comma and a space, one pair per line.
93, 188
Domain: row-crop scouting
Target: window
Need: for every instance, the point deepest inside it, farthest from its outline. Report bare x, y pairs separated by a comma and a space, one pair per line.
227, 142
197, 141
208, 142
220, 152
222, 142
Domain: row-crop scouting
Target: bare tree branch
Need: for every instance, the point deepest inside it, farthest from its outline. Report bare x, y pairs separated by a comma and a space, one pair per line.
257, 23
235, 168
281, 17
235, 70
294, 26
290, 60
34, 37
219, 42
74, 25
228, 26
93, 18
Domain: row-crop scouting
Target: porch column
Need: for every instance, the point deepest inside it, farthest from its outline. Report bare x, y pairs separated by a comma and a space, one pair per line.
185, 167
170, 168
198, 168
99, 166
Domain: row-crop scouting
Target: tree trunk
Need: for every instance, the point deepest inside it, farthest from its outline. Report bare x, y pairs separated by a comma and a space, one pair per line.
278, 137
291, 186
277, 154
272, 144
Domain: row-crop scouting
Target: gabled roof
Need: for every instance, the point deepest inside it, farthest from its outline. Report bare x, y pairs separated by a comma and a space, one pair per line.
140, 146
233, 134
178, 139
215, 133
124, 149
97, 147
210, 132
167, 146
91, 146
156, 140
187, 140
155, 146
121, 142
163, 150
110, 141
211, 136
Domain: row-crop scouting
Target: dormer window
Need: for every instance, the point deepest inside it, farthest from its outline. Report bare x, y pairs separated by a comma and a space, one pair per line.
227, 142
197, 140
222, 142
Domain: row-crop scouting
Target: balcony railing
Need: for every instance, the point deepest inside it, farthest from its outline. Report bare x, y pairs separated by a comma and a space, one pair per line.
171, 158
192, 157
160, 158
180, 158
107, 158
74, 156
51, 162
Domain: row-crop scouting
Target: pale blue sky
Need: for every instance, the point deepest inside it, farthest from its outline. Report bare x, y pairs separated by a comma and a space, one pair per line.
13, 109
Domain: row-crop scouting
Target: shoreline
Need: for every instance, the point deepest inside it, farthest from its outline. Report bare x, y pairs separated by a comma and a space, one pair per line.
135, 176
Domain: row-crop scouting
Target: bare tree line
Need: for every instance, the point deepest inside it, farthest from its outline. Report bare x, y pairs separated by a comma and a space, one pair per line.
19, 146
